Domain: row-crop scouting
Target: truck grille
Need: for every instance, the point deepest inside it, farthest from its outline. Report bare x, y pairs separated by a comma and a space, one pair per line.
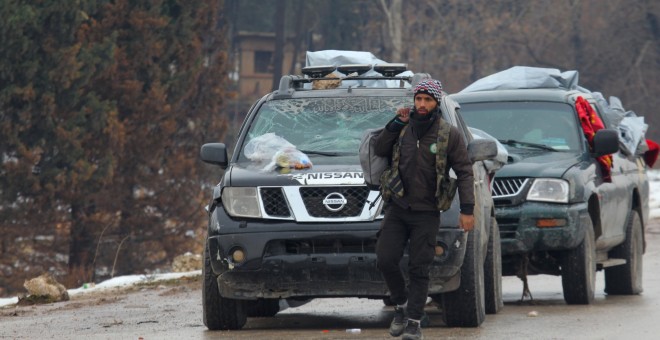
506, 187
313, 198
508, 227
274, 202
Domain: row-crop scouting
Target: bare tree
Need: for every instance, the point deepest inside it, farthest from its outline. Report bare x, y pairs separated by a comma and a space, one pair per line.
393, 10
278, 56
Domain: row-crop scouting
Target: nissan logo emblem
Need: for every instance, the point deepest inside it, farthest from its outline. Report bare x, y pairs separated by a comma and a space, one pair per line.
334, 201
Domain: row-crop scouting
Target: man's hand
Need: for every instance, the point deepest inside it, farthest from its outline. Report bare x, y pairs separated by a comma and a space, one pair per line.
466, 222
403, 114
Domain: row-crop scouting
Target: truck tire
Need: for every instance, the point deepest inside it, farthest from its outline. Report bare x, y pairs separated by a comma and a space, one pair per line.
493, 271
218, 312
465, 307
262, 307
578, 270
626, 279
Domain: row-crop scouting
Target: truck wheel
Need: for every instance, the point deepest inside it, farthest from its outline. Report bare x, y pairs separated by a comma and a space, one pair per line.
465, 307
219, 312
626, 279
578, 270
262, 307
493, 271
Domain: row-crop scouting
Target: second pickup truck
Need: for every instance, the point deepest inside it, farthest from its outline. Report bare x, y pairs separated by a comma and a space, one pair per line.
561, 209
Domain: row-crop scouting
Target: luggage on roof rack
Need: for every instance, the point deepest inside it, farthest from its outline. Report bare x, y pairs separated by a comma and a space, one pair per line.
347, 69
525, 77
380, 73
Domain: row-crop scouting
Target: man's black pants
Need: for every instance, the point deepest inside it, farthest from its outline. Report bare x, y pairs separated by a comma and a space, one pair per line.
398, 227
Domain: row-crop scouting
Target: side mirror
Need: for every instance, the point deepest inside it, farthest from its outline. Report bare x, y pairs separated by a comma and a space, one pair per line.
214, 153
606, 141
482, 149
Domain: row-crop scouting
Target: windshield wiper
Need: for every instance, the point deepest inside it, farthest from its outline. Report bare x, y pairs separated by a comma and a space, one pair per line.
328, 153
514, 142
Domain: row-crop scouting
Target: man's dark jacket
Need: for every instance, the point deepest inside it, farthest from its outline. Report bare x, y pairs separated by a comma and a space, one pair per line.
417, 165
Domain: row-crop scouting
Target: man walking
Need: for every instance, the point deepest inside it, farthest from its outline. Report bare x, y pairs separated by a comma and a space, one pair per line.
414, 218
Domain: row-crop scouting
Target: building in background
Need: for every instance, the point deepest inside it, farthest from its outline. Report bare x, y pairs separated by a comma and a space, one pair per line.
254, 54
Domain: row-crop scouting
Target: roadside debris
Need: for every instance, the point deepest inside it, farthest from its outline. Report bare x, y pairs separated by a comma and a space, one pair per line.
187, 262
44, 289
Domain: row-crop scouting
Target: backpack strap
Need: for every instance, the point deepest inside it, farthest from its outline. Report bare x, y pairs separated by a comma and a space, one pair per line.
396, 153
390, 182
441, 153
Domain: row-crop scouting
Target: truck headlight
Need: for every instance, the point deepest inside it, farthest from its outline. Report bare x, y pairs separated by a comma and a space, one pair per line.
548, 190
241, 202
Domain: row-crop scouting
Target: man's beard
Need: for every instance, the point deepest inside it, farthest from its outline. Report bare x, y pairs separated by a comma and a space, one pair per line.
421, 123
422, 114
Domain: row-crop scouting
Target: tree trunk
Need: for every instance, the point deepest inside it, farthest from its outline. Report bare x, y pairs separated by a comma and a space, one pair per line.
394, 15
576, 39
80, 246
278, 57
300, 34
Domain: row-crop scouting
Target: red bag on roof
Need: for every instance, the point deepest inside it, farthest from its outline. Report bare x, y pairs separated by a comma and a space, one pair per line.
590, 124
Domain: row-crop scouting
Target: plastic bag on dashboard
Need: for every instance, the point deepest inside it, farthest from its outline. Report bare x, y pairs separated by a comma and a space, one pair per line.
277, 151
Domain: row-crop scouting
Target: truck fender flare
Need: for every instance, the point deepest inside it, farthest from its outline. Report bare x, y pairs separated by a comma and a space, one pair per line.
594, 213
637, 205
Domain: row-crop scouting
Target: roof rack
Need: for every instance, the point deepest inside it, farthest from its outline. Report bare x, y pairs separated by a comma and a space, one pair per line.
388, 71
287, 86
358, 69
318, 71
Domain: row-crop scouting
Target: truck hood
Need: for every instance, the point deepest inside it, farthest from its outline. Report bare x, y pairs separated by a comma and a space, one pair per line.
538, 163
317, 175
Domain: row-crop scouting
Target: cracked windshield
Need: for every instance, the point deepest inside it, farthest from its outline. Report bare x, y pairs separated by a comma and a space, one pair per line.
321, 128
547, 126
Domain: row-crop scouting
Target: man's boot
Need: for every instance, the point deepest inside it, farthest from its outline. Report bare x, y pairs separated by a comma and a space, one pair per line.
399, 321
413, 331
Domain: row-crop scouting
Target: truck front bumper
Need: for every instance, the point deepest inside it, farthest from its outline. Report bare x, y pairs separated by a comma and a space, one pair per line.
286, 262
520, 231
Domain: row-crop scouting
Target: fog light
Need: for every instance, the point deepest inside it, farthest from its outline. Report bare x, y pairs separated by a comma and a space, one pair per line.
550, 222
439, 250
238, 255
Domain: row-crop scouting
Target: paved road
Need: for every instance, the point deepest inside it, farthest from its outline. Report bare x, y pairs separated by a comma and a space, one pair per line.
168, 312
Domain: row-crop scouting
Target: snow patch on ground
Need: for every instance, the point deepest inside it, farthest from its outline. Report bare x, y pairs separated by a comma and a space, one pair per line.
117, 282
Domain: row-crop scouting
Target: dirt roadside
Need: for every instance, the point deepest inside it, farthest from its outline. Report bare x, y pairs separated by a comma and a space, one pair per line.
127, 312
97, 297
173, 310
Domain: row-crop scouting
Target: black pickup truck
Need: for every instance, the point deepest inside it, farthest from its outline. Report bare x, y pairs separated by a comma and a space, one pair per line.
281, 232
557, 210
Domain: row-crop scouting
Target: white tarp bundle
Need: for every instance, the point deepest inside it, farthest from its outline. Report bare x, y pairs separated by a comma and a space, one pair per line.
613, 111
339, 57
632, 131
525, 77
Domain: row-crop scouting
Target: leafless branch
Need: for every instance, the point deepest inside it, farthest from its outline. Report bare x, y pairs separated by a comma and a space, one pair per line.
114, 263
